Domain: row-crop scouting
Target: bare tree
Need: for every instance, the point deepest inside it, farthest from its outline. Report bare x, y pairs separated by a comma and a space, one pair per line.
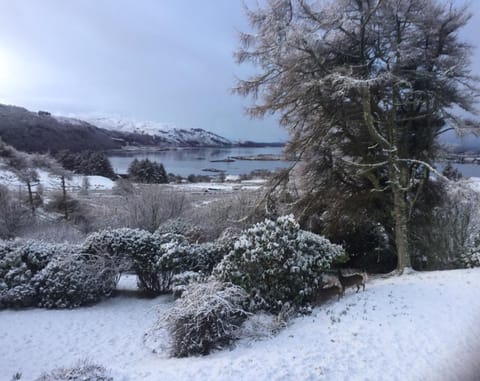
13, 215
365, 87
151, 205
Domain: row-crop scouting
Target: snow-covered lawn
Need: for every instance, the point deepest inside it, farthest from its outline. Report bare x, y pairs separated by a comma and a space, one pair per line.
421, 326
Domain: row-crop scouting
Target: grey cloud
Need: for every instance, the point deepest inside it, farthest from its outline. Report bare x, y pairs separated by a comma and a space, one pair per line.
164, 60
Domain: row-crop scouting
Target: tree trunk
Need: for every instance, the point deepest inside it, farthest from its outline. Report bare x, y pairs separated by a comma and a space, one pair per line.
64, 192
400, 216
30, 198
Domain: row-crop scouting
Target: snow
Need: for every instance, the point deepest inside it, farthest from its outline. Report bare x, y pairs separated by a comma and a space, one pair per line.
168, 131
130, 125
49, 182
420, 326
474, 183
221, 187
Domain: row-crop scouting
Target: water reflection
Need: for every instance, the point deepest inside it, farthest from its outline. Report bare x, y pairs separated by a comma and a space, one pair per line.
194, 160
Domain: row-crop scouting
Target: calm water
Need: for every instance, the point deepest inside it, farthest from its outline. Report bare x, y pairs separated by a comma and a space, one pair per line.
194, 160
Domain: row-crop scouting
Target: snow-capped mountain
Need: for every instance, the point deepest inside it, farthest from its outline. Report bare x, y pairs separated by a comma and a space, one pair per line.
168, 134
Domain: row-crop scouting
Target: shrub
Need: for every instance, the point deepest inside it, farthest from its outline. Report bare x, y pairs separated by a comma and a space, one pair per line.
129, 249
206, 317
181, 281
471, 258
55, 276
116, 244
82, 371
192, 232
155, 273
19, 264
445, 237
277, 263
74, 280
155, 258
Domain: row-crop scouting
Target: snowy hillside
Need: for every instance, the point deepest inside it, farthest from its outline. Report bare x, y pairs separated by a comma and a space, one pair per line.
420, 326
167, 132
51, 182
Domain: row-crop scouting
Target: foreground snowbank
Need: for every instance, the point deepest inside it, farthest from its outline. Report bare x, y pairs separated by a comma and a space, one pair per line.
421, 326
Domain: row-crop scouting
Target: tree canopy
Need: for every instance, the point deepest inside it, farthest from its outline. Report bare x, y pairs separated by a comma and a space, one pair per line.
365, 88
146, 171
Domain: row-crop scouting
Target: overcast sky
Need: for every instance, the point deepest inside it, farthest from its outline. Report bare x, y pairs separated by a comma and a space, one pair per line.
163, 60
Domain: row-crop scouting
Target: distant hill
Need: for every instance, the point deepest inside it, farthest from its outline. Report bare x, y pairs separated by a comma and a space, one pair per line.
165, 134
42, 132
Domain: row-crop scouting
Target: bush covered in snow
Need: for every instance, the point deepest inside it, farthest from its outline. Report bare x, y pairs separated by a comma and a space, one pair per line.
73, 280
193, 233
156, 257
206, 317
471, 258
181, 281
82, 371
20, 263
36, 273
138, 250
278, 263
448, 237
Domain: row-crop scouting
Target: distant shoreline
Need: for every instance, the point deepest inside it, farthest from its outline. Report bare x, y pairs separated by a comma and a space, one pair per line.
143, 149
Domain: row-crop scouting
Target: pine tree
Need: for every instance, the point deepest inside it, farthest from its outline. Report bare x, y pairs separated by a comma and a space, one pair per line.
146, 171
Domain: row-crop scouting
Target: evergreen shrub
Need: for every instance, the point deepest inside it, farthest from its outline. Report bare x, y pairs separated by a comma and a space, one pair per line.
40, 274
278, 264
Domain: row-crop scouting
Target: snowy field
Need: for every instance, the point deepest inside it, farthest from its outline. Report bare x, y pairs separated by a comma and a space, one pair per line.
421, 326
49, 182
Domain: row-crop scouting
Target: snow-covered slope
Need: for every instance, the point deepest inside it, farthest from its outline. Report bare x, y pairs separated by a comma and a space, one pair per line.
51, 182
167, 132
420, 326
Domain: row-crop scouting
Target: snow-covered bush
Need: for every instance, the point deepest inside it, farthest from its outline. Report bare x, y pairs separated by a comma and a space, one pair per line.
193, 233
171, 257
181, 281
117, 244
36, 273
206, 317
448, 238
19, 264
471, 258
155, 258
130, 249
73, 280
82, 371
278, 263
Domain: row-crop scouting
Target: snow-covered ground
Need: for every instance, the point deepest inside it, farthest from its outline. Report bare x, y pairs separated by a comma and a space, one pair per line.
49, 182
420, 326
226, 186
